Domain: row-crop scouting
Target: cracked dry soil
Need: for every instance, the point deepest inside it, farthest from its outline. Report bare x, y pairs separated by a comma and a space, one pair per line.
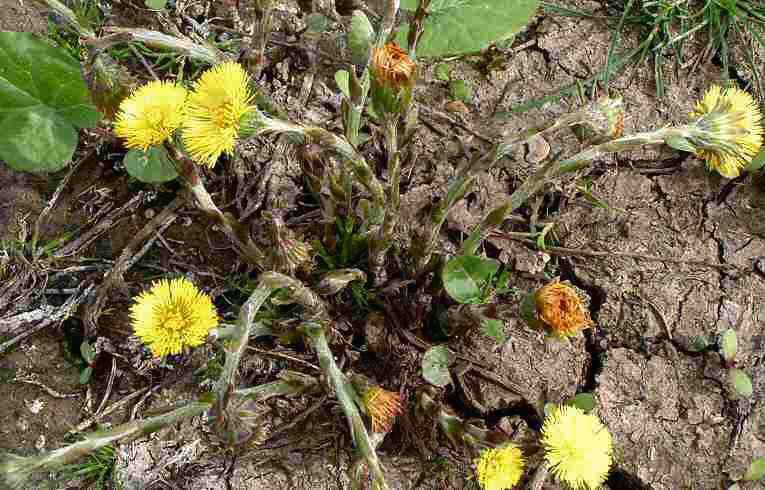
675, 424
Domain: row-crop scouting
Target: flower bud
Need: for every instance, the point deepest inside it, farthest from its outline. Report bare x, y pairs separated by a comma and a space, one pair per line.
393, 77
561, 310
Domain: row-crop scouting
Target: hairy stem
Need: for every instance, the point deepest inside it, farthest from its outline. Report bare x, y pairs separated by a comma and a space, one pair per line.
462, 183
553, 170
346, 396
235, 231
382, 240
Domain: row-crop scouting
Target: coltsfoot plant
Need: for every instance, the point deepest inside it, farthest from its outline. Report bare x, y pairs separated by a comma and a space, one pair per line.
171, 129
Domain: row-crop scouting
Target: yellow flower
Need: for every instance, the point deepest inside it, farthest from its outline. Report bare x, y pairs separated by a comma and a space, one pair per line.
220, 100
151, 114
561, 310
578, 447
173, 315
500, 469
730, 131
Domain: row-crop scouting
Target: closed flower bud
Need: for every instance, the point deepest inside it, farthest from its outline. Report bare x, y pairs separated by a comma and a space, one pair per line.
561, 310
393, 77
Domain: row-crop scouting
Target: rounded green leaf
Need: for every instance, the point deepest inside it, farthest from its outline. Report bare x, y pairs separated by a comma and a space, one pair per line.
466, 26
740, 383
582, 401
152, 166
729, 345
361, 35
465, 277
435, 365
495, 329
43, 99
756, 470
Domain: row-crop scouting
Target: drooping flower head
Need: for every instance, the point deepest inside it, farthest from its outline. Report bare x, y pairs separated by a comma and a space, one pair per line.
561, 310
381, 405
151, 114
500, 468
172, 315
578, 447
220, 100
728, 129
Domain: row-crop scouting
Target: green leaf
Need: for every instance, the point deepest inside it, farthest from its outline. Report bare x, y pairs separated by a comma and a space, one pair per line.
435, 365
466, 277
317, 23
156, 4
729, 345
85, 375
466, 26
460, 90
700, 343
740, 382
87, 351
361, 35
43, 99
491, 327
443, 72
756, 470
680, 143
153, 166
582, 401
528, 310
342, 79
757, 162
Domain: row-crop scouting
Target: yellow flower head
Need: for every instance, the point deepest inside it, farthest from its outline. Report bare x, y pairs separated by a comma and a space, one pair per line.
172, 315
561, 310
730, 129
220, 100
151, 114
578, 447
500, 469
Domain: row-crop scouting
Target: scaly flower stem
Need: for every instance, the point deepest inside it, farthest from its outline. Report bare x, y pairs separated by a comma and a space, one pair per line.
389, 20
346, 396
555, 169
462, 183
358, 165
206, 53
381, 241
15, 471
235, 231
236, 338
69, 16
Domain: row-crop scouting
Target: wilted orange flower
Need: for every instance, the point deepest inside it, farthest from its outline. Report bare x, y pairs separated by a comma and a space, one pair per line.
561, 309
392, 64
383, 407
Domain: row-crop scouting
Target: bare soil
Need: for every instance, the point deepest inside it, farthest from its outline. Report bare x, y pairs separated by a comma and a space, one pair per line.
675, 424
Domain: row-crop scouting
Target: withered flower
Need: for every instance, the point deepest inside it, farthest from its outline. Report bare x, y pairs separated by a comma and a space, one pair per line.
381, 405
393, 76
561, 309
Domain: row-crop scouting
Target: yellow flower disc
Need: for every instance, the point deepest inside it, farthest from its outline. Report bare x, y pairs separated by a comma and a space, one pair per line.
500, 469
221, 98
151, 114
173, 315
732, 121
578, 447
